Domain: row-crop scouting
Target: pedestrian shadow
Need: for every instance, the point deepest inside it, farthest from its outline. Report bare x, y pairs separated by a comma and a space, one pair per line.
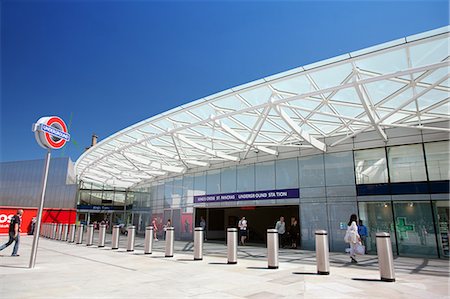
187, 260
219, 263
11, 266
367, 279
260, 268
305, 273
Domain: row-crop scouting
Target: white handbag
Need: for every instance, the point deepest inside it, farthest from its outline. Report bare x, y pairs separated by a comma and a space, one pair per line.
360, 249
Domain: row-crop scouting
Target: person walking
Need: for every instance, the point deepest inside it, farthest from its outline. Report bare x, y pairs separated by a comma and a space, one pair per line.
352, 237
243, 230
155, 229
280, 226
362, 231
14, 232
203, 225
168, 224
295, 234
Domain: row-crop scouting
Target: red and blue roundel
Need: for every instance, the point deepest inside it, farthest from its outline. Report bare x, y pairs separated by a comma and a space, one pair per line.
51, 132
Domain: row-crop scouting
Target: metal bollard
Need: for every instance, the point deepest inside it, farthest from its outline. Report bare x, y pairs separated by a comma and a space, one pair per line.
72, 229
101, 235
272, 248
59, 231
115, 237
130, 240
148, 242
322, 253
385, 257
169, 241
90, 235
44, 230
79, 237
198, 244
232, 245
64, 232
53, 231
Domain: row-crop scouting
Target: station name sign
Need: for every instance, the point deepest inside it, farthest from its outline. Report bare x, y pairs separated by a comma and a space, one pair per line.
255, 195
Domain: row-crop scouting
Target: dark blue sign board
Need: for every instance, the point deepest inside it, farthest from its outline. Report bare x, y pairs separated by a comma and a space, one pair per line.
255, 195
100, 208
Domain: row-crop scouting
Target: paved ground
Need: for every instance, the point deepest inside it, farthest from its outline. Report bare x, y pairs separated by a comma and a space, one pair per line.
66, 270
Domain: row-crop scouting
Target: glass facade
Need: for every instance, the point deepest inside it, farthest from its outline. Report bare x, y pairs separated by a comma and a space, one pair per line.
407, 163
20, 183
328, 187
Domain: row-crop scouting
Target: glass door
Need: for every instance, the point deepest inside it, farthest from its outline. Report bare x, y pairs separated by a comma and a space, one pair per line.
415, 229
443, 216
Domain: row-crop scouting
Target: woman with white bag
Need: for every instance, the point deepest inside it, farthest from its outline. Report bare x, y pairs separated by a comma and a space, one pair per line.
352, 237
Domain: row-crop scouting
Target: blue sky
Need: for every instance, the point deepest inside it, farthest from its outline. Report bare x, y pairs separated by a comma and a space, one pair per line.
105, 65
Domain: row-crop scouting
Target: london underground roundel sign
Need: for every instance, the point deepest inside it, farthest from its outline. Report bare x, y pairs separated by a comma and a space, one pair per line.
51, 132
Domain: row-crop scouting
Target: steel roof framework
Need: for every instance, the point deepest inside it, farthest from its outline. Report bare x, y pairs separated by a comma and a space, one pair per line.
404, 83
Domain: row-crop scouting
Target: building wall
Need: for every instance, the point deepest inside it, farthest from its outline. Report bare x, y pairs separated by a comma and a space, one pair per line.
20, 183
364, 175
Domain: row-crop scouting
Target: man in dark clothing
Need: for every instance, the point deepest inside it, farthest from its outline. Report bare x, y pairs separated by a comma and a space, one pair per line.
14, 232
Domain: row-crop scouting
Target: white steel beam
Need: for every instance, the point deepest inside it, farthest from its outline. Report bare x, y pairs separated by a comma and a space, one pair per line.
205, 149
304, 135
365, 101
242, 139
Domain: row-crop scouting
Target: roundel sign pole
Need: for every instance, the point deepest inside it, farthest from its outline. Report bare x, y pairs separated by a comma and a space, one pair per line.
51, 133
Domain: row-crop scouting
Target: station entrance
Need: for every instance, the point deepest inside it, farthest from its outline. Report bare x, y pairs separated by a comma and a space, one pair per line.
259, 219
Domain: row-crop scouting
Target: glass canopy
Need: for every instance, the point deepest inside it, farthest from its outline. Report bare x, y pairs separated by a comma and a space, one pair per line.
403, 83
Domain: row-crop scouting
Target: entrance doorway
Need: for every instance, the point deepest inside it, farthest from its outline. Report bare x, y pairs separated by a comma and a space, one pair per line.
259, 219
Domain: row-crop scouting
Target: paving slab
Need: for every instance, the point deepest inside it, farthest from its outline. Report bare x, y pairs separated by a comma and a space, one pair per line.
65, 270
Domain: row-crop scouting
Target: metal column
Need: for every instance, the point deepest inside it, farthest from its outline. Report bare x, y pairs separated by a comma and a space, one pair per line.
385, 257
115, 237
272, 248
102, 235
232, 245
322, 252
130, 240
198, 244
169, 241
90, 235
72, 230
148, 242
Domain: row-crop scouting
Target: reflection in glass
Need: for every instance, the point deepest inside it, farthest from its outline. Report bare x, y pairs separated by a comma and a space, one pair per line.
406, 163
246, 178
415, 229
443, 215
437, 154
377, 217
370, 166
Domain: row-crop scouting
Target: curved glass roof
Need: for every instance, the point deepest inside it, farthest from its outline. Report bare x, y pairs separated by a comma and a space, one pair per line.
403, 83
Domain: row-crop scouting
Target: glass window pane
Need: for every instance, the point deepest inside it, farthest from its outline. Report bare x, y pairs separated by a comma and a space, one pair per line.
160, 190
228, 180
286, 174
437, 154
168, 189
178, 186
246, 178
377, 217
312, 172
370, 166
200, 183
188, 186
406, 163
443, 217
213, 182
312, 217
415, 229
265, 175
339, 170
